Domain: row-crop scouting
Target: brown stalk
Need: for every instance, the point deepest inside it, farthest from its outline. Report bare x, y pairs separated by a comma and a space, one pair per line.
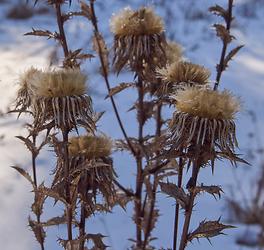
65, 134
189, 209
154, 190
105, 75
221, 66
34, 170
63, 40
177, 208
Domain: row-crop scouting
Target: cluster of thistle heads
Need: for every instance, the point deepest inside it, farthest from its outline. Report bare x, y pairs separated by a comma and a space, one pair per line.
57, 99
204, 118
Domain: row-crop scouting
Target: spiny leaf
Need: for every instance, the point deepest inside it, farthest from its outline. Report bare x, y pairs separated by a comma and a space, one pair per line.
45, 33
37, 229
231, 54
31, 147
219, 11
175, 192
119, 88
37, 206
53, 194
208, 229
97, 239
58, 220
86, 10
25, 174
223, 33
213, 190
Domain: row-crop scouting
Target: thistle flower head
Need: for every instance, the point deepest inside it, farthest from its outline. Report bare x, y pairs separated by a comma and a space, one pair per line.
91, 147
205, 118
207, 103
59, 97
141, 22
58, 83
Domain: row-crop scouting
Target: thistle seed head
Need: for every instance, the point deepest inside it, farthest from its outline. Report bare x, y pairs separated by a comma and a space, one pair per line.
58, 83
207, 103
173, 52
91, 147
141, 22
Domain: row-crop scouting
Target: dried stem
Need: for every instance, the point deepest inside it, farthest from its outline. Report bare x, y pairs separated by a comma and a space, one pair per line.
221, 66
177, 208
61, 29
105, 75
34, 170
189, 209
65, 134
154, 190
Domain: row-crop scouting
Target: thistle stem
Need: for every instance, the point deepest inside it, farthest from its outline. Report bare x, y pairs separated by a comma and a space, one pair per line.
177, 208
221, 67
189, 209
65, 134
63, 40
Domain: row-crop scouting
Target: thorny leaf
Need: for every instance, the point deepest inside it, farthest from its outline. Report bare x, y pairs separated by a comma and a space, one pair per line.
121, 199
175, 192
25, 174
29, 144
208, 229
69, 15
231, 54
100, 47
39, 199
233, 158
97, 239
86, 10
45, 33
154, 218
213, 190
223, 33
73, 56
53, 194
119, 88
219, 11
37, 229
58, 220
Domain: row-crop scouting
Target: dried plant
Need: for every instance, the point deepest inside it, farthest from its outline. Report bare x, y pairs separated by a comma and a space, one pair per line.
84, 181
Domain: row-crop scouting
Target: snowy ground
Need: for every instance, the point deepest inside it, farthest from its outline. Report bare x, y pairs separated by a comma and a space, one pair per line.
244, 78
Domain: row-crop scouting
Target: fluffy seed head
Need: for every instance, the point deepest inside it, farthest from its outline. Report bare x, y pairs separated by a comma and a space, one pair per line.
92, 147
58, 83
207, 103
141, 22
184, 72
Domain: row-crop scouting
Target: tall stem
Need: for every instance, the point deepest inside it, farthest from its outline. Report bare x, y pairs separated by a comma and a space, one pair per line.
65, 134
34, 170
61, 29
177, 208
139, 181
189, 209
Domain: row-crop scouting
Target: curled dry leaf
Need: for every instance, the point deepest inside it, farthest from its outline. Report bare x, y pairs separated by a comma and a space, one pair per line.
24, 173
219, 11
231, 54
175, 192
37, 230
45, 33
208, 229
115, 90
223, 33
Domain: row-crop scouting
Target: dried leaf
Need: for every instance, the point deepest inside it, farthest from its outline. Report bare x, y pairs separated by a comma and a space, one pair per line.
38, 230
58, 220
213, 190
223, 33
231, 54
97, 239
219, 11
39, 199
208, 229
31, 147
25, 174
86, 10
45, 33
119, 88
100, 47
175, 192
53, 194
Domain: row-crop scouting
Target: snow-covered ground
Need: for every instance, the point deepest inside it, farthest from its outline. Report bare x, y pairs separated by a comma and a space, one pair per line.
244, 78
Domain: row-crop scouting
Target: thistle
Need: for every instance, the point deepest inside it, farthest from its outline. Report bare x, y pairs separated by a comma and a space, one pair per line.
59, 96
204, 118
181, 74
139, 39
173, 52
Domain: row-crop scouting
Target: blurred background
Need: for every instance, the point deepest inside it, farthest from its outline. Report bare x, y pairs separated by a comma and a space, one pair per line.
189, 23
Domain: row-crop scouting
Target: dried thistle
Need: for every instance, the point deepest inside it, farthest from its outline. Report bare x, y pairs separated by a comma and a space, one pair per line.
173, 52
181, 74
139, 39
206, 118
59, 96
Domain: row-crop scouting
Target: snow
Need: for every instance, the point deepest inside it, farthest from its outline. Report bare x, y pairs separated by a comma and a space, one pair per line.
244, 78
